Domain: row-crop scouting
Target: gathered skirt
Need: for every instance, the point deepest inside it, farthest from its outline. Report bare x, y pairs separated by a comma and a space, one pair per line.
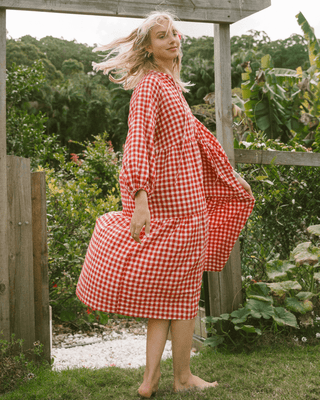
159, 278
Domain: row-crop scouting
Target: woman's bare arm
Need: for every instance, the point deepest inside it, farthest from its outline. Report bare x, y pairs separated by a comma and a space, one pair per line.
243, 183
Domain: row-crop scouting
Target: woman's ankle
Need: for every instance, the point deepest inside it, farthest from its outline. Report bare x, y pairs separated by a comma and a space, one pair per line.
150, 384
182, 378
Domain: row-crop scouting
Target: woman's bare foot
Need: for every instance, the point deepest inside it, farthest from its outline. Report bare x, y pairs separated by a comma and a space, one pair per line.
193, 382
149, 387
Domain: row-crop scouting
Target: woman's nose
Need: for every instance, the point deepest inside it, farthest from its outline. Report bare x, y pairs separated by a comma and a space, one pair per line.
171, 37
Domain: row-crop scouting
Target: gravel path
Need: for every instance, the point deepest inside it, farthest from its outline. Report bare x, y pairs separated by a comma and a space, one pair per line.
124, 350
118, 344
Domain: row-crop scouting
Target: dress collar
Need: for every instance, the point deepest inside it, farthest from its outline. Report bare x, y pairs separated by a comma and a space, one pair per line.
165, 75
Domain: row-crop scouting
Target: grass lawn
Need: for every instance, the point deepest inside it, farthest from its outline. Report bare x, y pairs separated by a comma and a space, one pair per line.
285, 372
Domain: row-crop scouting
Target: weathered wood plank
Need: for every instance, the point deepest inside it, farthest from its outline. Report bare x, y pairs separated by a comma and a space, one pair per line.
200, 326
40, 262
214, 11
4, 270
20, 250
224, 293
277, 157
230, 282
223, 100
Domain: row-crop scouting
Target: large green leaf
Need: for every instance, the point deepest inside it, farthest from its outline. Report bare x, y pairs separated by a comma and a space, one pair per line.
301, 247
305, 253
283, 317
305, 295
260, 309
263, 122
240, 316
314, 230
259, 291
214, 341
246, 93
266, 61
314, 46
214, 320
248, 329
277, 269
302, 307
284, 72
281, 288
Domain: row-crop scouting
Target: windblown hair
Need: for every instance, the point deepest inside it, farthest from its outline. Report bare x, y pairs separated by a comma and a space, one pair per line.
128, 61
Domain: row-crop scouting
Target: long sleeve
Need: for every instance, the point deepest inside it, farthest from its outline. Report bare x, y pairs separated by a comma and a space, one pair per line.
217, 169
138, 166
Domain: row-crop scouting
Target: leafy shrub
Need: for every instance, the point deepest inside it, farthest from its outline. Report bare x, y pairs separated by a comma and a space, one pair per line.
99, 164
290, 298
15, 365
287, 202
82, 190
259, 314
200, 73
26, 135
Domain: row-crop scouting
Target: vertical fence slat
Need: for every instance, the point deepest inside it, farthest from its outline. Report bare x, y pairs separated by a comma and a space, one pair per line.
224, 286
4, 270
223, 97
40, 261
20, 250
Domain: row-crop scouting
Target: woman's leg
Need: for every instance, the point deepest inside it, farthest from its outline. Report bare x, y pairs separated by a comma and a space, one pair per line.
181, 334
156, 339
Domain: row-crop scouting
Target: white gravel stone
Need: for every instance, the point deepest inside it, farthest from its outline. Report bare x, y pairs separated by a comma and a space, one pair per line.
118, 350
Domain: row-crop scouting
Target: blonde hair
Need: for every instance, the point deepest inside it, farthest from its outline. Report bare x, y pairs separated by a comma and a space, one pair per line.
132, 61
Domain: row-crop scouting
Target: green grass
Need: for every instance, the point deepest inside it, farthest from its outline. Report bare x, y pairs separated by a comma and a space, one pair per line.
270, 372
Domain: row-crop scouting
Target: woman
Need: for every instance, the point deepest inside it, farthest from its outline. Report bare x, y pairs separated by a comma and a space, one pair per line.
183, 208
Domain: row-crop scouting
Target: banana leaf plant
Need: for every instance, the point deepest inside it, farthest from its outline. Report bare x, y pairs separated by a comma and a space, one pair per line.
273, 100
311, 79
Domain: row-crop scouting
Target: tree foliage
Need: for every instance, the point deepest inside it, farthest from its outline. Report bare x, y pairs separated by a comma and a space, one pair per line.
79, 104
56, 50
26, 130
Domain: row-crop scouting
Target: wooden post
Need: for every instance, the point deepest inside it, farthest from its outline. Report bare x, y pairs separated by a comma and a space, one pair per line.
224, 287
20, 250
223, 101
4, 270
40, 261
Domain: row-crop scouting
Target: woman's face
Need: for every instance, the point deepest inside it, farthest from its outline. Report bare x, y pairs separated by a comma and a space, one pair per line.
165, 44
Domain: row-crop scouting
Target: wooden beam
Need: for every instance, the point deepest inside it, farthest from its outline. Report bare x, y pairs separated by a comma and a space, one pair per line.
225, 286
4, 270
20, 250
277, 157
40, 262
225, 293
223, 99
213, 11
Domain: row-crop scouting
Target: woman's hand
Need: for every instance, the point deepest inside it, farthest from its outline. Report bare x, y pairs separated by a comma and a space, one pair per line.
141, 216
243, 183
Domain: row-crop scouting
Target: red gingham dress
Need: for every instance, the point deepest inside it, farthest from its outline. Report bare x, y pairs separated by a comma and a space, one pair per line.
197, 211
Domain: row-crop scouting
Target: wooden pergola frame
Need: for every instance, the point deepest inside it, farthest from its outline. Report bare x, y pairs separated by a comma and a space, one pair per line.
224, 287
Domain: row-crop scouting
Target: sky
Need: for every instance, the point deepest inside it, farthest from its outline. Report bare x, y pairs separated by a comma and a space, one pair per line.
278, 21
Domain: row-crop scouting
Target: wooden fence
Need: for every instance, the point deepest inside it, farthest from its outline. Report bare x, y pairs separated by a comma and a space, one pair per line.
28, 255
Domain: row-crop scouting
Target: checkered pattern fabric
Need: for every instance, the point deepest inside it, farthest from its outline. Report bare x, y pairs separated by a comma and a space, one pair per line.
197, 211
